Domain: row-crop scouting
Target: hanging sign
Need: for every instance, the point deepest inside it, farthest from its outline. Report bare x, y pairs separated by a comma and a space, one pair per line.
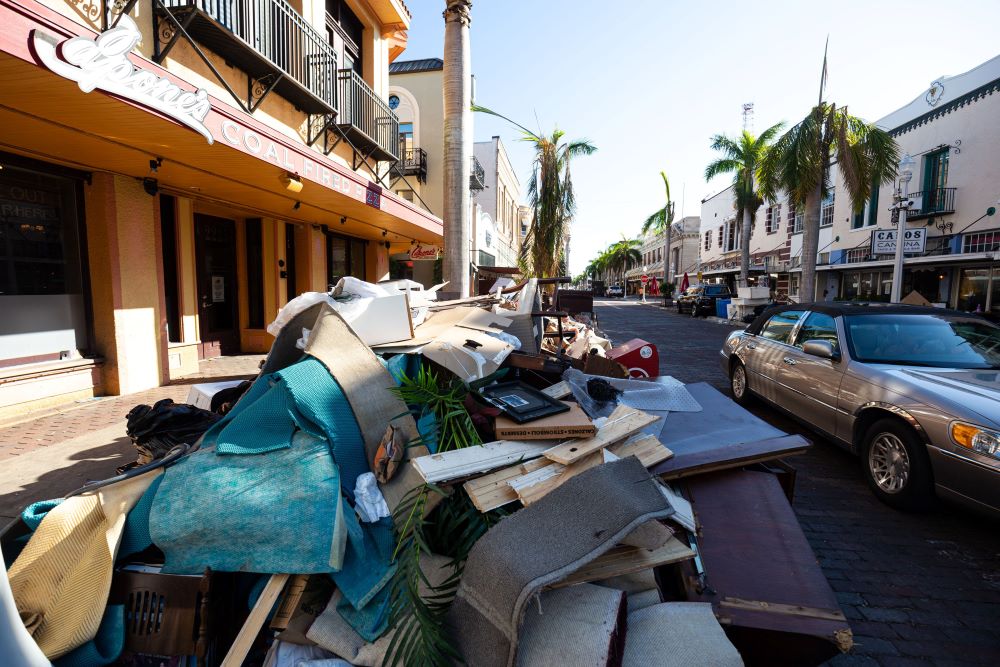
884, 241
421, 251
103, 64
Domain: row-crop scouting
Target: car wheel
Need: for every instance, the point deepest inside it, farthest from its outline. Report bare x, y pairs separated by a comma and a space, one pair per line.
738, 382
694, 311
896, 466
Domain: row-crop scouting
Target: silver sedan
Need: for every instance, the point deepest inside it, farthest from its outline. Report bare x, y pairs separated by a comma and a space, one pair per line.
914, 391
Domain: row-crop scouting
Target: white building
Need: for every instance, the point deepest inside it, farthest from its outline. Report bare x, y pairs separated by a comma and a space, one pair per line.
499, 199
684, 249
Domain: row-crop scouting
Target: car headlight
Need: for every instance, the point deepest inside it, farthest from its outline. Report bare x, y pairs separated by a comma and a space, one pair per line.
981, 440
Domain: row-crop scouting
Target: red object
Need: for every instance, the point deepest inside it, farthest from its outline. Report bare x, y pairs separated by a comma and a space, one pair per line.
654, 288
685, 283
644, 278
639, 357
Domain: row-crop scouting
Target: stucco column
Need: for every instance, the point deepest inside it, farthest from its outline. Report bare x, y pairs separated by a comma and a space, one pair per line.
125, 285
457, 144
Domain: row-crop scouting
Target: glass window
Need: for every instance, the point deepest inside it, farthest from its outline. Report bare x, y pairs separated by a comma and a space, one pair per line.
406, 137
337, 258
850, 285
826, 210
995, 296
973, 287
779, 327
818, 326
941, 341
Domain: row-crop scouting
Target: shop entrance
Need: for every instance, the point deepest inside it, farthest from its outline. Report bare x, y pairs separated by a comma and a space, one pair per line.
215, 250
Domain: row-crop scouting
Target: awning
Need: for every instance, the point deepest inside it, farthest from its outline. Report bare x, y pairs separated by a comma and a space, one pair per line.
48, 117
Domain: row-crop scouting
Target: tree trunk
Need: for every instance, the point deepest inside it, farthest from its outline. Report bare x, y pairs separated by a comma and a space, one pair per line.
745, 248
457, 91
810, 245
666, 250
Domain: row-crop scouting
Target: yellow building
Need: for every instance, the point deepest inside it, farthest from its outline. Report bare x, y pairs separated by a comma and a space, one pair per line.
173, 171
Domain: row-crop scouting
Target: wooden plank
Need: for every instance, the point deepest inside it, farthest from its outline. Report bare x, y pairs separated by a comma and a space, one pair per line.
558, 391
644, 447
537, 484
492, 491
725, 456
779, 608
255, 621
626, 560
622, 423
468, 461
289, 601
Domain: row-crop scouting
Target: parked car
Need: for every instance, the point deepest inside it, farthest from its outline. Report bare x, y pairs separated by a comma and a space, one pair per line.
616, 290
700, 300
915, 391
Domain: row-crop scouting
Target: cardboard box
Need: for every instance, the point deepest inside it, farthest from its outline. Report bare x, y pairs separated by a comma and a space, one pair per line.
572, 424
386, 320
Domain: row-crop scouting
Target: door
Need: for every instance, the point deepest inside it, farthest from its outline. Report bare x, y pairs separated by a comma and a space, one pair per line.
811, 385
218, 316
766, 351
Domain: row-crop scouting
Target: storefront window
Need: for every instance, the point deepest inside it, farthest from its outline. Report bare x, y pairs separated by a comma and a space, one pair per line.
973, 288
344, 257
995, 297
41, 279
850, 286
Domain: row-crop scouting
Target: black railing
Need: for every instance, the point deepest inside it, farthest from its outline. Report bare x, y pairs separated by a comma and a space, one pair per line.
932, 202
280, 35
413, 162
477, 175
366, 117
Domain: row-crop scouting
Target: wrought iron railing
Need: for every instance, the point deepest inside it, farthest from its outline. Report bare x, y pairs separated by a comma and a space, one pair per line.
413, 160
932, 202
278, 33
367, 112
477, 175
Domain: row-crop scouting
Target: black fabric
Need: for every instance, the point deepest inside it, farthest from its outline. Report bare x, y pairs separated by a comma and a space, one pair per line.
224, 400
157, 429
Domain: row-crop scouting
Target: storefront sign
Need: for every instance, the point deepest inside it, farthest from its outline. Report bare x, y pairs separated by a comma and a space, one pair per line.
884, 241
218, 289
420, 251
103, 64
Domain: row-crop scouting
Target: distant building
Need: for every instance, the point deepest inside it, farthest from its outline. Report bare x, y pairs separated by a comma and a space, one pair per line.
684, 251
499, 199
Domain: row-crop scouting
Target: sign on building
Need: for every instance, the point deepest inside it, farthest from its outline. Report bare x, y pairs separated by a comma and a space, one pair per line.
884, 241
421, 251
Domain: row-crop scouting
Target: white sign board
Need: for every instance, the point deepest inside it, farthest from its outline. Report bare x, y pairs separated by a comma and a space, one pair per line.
218, 289
884, 241
103, 63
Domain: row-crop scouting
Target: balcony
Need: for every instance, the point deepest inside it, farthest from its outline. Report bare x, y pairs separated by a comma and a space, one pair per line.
413, 162
267, 39
365, 118
477, 176
927, 203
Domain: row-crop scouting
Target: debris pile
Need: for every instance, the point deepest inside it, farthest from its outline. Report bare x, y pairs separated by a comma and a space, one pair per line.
413, 481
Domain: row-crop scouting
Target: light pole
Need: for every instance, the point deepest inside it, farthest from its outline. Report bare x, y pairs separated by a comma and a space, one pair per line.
645, 269
902, 205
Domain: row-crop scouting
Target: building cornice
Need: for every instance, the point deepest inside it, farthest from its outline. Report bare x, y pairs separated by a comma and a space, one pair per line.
972, 96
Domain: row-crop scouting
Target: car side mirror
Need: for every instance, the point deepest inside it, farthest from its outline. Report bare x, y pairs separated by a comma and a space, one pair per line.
823, 349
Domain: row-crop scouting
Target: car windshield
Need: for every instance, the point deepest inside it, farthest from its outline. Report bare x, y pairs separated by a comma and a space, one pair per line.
943, 341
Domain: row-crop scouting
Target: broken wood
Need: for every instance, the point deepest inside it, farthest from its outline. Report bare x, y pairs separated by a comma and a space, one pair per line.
622, 423
289, 601
558, 391
468, 461
644, 447
493, 490
537, 484
255, 621
626, 560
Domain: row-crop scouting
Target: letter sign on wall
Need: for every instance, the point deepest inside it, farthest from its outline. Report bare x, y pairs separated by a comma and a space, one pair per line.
103, 63
884, 241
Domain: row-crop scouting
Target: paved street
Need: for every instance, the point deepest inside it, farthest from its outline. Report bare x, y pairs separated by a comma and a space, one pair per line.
918, 589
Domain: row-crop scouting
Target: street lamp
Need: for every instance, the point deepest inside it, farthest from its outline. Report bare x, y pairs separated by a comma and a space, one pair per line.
902, 205
645, 269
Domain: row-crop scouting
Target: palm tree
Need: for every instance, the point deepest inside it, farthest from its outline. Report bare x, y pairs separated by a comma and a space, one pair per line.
550, 195
457, 91
662, 222
743, 157
799, 164
623, 255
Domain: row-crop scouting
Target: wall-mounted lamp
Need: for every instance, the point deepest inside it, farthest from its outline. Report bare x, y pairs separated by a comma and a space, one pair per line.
154, 165
150, 186
292, 182
386, 245
384, 233
297, 205
343, 219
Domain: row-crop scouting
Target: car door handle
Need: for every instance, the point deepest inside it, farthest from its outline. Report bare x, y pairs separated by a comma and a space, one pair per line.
751, 346
789, 361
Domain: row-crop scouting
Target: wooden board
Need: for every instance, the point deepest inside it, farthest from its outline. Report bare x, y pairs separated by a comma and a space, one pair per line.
255, 621
539, 483
725, 456
558, 391
622, 423
467, 461
493, 490
644, 447
626, 560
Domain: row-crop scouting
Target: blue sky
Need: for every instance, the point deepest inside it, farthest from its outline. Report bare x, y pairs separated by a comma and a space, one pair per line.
650, 81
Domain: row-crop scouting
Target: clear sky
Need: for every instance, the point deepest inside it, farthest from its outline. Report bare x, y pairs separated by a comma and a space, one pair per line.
650, 81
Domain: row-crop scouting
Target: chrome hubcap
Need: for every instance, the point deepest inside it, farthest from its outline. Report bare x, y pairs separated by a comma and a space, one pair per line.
739, 381
889, 463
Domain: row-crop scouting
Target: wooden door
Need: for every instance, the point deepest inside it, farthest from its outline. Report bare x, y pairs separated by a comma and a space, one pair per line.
218, 298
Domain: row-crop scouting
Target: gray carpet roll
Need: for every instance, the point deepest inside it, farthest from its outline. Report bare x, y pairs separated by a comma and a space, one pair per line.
542, 544
581, 625
678, 634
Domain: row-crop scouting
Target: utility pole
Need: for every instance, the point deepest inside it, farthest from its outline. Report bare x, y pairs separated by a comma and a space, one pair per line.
901, 206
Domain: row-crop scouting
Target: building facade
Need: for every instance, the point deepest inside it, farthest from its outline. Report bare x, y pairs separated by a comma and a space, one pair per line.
499, 200
952, 133
174, 171
685, 256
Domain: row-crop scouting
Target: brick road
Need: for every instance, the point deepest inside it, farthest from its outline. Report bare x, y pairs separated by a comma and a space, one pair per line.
918, 589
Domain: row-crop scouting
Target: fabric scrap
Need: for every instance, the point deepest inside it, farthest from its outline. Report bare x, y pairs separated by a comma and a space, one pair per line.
689, 629
542, 544
580, 625
105, 648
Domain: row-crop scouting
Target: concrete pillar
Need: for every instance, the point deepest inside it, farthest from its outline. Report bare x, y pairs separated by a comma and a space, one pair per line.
122, 240
186, 270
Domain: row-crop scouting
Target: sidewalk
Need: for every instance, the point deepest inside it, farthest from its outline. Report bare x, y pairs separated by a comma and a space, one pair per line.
49, 455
